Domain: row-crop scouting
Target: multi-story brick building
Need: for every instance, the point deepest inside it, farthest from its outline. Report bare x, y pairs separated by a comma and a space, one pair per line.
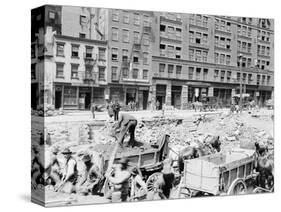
69, 56
82, 55
130, 38
198, 55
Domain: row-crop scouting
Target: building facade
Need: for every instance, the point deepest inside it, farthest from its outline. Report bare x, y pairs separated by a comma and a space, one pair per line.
82, 55
130, 39
196, 56
69, 59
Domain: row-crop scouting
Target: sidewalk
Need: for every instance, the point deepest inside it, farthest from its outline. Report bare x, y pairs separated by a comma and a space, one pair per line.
86, 116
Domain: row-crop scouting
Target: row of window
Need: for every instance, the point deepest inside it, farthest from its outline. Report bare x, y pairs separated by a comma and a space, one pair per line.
221, 58
263, 35
136, 74
244, 30
263, 50
246, 62
263, 79
262, 64
222, 25
198, 55
124, 16
75, 51
197, 71
199, 20
74, 71
126, 36
171, 32
222, 42
170, 50
170, 67
244, 46
125, 56
222, 75
198, 37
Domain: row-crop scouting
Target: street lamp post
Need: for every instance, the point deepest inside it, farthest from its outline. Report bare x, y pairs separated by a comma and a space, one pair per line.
240, 66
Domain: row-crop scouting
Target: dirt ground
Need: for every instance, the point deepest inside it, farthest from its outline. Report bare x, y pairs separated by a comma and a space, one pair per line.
235, 130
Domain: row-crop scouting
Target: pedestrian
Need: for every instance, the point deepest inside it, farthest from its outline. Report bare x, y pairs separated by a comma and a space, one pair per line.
93, 107
70, 174
116, 110
110, 109
126, 123
157, 105
120, 181
138, 186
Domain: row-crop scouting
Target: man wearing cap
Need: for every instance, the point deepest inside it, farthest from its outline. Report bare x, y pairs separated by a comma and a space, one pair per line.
120, 181
126, 123
70, 175
92, 177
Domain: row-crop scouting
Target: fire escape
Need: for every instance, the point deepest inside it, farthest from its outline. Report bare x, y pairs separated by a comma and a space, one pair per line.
136, 47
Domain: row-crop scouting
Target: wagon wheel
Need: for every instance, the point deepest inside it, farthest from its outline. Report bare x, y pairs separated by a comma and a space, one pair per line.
151, 182
237, 187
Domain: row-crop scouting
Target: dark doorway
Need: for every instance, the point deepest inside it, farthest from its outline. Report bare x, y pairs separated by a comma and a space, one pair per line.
145, 99
87, 100
34, 96
58, 99
161, 100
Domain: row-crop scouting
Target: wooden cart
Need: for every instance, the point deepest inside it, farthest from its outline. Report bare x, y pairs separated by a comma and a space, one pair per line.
148, 162
227, 173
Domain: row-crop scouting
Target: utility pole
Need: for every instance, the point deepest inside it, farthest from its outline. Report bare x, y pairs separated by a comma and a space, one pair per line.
240, 66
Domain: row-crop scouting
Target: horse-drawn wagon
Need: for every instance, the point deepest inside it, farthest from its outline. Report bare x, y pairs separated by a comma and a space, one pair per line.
225, 173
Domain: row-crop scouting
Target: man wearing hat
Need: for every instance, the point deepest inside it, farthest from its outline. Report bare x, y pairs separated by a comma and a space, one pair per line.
126, 123
92, 177
120, 181
70, 175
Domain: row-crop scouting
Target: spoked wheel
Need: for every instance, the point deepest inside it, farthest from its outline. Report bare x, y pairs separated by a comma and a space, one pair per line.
151, 182
237, 187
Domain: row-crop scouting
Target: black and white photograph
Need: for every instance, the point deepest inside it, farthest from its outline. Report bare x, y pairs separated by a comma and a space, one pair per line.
137, 105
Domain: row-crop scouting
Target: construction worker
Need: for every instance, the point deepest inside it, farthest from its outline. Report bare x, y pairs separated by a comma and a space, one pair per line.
138, 186
91, 177
120, 181
126, 123
70, 175
53, 167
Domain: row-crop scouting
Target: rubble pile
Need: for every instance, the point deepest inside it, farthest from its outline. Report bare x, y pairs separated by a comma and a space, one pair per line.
46, 110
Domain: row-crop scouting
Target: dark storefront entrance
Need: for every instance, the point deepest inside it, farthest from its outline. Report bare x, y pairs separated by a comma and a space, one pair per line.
160, 95
58, 97
131, 95
176, 96
145, 100
34, 95
84, 98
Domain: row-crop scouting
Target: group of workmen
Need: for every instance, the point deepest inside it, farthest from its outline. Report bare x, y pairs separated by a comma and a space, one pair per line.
68, 178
